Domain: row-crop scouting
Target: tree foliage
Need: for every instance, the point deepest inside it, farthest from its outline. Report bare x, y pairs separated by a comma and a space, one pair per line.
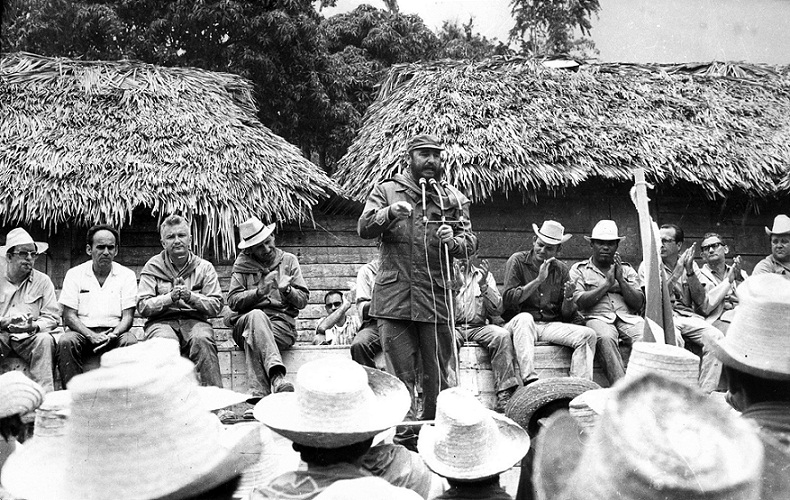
549, 27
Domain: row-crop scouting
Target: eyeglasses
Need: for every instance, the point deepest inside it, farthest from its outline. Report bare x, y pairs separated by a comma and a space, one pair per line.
712, 246
334, 304
27, 255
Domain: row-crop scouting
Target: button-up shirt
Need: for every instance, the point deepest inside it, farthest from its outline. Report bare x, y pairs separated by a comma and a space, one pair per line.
99, 305
473, 307
770, 265
721, 298
545, 303
612, 305
35, 296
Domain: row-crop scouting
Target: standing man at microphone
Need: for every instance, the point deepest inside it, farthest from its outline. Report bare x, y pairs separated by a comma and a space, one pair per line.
421, 220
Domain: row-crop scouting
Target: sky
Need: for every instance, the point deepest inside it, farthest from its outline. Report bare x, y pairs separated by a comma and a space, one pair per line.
641, 30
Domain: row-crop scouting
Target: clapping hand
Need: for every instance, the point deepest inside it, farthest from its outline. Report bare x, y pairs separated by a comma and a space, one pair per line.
484, 269
568, 289
180, 291
618, 267
543, 272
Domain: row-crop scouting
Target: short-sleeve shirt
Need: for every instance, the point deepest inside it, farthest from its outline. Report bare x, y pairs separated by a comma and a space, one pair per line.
770, 265
99, 305
343, 335
612, 305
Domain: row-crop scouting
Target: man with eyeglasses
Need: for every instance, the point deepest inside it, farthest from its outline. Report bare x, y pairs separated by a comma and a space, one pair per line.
337, 327
98, 299
779, 260
687, 294
720, 281
28, 307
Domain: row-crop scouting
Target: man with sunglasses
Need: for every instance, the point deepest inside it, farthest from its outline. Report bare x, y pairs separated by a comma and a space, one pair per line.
28, 307
337, 327
720, 281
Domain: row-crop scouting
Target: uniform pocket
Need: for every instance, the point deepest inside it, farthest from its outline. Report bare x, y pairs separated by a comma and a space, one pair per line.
386, 277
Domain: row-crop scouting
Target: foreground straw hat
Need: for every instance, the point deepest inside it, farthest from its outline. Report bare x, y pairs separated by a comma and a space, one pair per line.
551, 232
365, 488
138, 431
469, 441
757, 341
658, 439
670, 361
252, 231
529, 400
18, 394
336, 402
19, 236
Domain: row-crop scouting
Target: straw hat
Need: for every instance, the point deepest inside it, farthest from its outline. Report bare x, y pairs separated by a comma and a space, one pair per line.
781, 225
757, 342
137, 431
336, 402
19, 236
587, 407
657, 439
18, 394
272, 461
365, 488
551, 232
252, 231
469, 441
527, 400
671, 361
605, 230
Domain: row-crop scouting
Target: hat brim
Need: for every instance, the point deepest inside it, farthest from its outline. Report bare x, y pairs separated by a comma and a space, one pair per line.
511, 444
590, 238
280, 412
526, 401
258, 238
548, 240
771, 232
213, 398
743, 362
41, 247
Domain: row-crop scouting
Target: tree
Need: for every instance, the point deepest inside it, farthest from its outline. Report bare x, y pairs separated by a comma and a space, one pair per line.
459, 42
548, 27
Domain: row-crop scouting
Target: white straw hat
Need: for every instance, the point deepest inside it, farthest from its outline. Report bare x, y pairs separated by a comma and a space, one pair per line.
781, 225
252, 231
18, 394
468, 440
272, 461
757, 341
658, 439
668, 360
137, 431
19, 236
551, 232
365, 488
336, 402
605, 230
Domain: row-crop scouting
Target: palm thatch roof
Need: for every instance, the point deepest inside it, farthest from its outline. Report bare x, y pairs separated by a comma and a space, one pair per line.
89, 142
514, 125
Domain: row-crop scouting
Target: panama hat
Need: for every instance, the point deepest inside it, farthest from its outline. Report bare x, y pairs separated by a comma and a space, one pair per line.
781, 225
528, 400
757, 342
424, 141
605, 230
469, 441
18, 394
252, 231
365, 488
658, 439
670, 361
137, 431
551, 232
336, 402
19, 236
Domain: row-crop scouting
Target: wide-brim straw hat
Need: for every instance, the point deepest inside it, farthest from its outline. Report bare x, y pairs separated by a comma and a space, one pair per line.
253, 231
527, 400
272, 461
138, 431
657, 439
365, 488
781, 225
757, 341
19, 236
18, 394
469, 441
588, 406
551, 232
336, 402
671, 361
605, 230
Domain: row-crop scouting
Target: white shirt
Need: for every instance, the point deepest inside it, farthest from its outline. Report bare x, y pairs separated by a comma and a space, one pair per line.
99, 305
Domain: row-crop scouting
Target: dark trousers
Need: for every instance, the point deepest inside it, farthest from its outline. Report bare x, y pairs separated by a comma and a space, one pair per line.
262, 339
74, 349
366, 344
196, 339
405, 344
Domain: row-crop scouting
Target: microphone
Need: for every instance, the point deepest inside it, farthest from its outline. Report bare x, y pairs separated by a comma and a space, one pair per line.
422, 185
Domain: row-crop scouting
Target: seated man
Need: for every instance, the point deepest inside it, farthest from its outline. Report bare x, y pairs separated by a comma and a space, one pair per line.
477, 302
266, 292
688, 294
779, 260
609, 296
28, 308
338, 327
719, 281
367, 342
538, 287
178, 293
98, 299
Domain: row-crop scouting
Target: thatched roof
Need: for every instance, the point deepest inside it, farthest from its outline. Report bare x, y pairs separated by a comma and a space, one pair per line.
512, 125
89, 142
